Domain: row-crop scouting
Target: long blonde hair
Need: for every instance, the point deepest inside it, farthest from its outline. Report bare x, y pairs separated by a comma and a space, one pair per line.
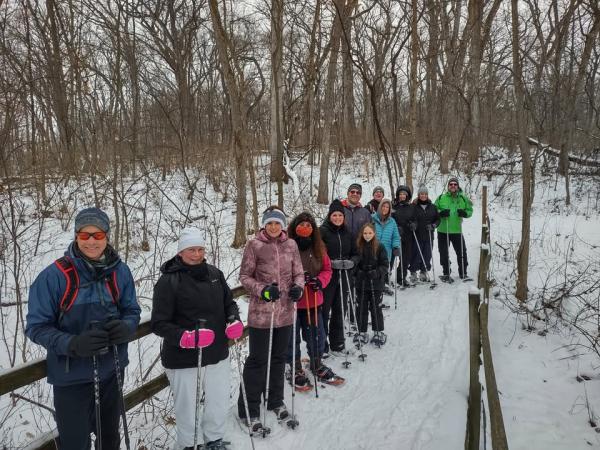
361, 244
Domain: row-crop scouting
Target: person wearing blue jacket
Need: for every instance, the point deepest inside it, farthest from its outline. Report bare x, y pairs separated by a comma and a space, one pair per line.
387, 233
100, 312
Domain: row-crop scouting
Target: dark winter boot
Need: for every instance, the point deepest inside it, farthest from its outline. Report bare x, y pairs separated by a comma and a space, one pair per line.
281, 412
326, 375
379, 338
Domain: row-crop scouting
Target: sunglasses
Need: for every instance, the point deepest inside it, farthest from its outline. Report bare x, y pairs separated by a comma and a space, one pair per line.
354, 191
98, 235
452, 184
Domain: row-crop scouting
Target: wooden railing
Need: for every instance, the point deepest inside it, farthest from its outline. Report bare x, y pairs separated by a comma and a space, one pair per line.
479, 343
33, 371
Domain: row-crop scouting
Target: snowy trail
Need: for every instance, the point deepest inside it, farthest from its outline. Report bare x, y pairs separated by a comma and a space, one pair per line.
410, 394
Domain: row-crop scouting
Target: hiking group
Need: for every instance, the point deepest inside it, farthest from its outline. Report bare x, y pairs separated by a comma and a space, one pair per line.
306, 282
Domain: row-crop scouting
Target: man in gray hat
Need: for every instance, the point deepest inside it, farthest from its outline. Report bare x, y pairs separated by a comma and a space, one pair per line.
355, 215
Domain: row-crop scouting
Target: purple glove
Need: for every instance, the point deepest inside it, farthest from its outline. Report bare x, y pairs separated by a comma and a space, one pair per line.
205, 338
234, 330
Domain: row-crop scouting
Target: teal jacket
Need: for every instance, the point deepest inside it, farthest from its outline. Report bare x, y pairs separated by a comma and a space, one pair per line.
453, 223
387, 233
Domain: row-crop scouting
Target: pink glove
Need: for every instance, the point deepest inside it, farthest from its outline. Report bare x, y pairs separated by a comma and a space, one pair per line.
234, 330
205, 338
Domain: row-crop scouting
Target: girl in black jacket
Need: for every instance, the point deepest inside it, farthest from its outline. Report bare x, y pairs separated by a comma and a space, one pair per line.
371, 265
188, 290
426, 219
340, 248
403, 214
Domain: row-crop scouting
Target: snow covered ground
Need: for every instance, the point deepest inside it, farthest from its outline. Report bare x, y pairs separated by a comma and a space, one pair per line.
412, 393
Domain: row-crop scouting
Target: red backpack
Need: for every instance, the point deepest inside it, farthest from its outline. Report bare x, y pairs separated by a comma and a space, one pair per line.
68, 269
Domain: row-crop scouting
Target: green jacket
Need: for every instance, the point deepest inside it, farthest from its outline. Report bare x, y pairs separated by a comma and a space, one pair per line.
453, 224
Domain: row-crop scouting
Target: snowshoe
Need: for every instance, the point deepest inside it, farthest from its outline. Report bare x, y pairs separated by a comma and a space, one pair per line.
379, 338
423, 276
256, 426
466, 278
327, 376
406, 284
301, 381
219, 444
325, 355
413, 278
281, 413
343, 352
361, 339
446, 279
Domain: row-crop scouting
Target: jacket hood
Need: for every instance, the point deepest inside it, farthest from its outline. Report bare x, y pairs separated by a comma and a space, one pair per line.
264, 237
405, 188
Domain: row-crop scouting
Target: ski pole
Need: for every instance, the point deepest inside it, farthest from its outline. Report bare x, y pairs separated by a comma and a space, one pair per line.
268, 366
401, 268
200, 323
462, 257
94, 324
352, 300
374, 312
346, 363
293, 423
121, 399
434, 283
361, 356
395, 269
312, 344
243, 386
97, 402
420, 252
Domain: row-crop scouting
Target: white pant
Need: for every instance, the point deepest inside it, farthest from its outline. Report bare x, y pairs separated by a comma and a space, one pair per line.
215, 380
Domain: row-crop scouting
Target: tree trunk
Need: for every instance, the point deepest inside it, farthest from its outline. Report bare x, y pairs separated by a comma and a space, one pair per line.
329, 102
277, 172
414, 61
235, 93
527, 196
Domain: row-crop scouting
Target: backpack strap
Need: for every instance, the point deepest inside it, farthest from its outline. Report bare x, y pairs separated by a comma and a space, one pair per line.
66, 266
113, 287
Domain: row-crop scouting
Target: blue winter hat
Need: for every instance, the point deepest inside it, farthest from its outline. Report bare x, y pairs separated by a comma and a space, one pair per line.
92, 216
273, 215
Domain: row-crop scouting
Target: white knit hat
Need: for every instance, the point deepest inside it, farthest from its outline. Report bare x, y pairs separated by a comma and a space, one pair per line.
274, 215
190, 237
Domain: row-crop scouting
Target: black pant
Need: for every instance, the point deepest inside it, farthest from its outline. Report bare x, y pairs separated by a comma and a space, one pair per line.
313, 334
417, 261
369, 301
332, 310
255, 369
406, 246
457, 242
76, 414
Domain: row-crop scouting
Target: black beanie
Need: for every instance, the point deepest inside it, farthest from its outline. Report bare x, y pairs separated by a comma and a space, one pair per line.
336, 205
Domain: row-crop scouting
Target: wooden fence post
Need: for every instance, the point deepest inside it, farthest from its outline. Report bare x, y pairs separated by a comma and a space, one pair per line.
474, 405
499, 441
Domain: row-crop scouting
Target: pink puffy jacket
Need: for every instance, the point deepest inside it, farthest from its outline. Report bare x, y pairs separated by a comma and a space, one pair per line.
269, 260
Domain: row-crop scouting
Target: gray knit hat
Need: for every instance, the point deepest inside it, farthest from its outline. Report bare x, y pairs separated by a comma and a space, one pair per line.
422, 190
356, 186
453, 179
273, 215
378, 188
92, 216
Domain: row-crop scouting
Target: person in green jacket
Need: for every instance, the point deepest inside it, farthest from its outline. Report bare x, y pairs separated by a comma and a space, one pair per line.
453, 206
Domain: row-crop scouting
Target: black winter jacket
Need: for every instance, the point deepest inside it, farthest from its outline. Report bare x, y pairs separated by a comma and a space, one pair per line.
403, 214
425, 216
182, 295
365, 261
338, 240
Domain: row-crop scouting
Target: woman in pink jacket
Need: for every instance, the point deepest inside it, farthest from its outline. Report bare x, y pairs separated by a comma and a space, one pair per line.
317, 272
272, 273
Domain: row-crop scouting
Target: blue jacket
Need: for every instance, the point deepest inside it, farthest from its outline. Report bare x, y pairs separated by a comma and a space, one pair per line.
93, 302
387, 234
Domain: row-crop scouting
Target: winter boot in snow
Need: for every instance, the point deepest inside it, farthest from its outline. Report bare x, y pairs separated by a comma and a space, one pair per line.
388, 290
281, 412
361, 338
413, 277
327, 376
219, 444
301, 381
447, 279
423, 276
379, 338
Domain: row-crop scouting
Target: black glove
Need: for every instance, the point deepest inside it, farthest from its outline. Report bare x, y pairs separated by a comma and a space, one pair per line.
445, 213
373, 274
88, 343
412, 226
118, 331
295, 293
429, 227
270, 292
315, 284
396, 251
461, 212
